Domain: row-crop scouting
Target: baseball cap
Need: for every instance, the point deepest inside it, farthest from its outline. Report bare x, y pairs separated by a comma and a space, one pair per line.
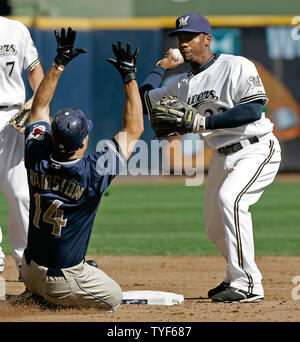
193, 22
69, 128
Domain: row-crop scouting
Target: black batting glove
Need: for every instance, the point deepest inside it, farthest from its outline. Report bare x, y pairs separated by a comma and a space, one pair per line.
126, 61
65, 46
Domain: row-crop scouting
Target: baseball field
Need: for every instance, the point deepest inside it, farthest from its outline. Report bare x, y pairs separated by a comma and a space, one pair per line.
149, 234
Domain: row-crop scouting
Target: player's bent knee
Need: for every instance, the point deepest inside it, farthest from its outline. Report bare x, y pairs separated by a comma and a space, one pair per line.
226, 200
116, 296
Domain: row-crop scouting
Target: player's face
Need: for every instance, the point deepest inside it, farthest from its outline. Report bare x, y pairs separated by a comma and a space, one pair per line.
193, 45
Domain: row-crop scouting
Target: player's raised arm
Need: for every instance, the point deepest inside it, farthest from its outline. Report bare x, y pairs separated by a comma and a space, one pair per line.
65, 53
35, 77
133, 124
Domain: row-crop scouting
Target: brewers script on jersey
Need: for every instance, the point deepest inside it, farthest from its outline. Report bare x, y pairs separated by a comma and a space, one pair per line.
17, 53
227, 81
235, 180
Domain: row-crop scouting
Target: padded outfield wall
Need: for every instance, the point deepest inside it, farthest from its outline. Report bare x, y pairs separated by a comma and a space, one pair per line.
271, 42
153, 8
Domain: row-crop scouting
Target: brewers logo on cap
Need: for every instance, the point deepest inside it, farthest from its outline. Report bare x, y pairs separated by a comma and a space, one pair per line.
183, 21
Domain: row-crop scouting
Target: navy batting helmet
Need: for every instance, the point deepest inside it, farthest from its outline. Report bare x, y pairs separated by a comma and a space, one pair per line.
69, 128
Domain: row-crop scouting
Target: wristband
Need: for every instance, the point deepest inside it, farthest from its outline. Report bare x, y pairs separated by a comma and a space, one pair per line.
58, 67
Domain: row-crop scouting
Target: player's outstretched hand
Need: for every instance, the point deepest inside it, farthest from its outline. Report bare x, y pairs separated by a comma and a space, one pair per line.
126, 61
65, 46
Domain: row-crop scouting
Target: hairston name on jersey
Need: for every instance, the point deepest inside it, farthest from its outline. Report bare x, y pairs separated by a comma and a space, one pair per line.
8, 50
204, 96
56, 183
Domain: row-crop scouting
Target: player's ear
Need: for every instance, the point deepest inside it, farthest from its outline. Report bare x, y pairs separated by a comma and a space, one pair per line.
207, 39
85, 142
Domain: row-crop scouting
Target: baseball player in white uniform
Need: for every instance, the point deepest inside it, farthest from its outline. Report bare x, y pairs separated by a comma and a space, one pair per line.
17, 53
228, 93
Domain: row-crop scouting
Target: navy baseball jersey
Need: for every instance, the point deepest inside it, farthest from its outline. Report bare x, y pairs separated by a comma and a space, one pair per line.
64, 197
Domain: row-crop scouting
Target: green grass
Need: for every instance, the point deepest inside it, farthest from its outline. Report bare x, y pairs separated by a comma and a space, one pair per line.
167, 219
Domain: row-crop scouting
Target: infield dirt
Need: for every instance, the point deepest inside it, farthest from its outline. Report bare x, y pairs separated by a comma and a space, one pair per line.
191, 276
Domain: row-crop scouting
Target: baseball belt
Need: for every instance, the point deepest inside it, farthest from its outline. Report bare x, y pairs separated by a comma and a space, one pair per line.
237, 146
2, 107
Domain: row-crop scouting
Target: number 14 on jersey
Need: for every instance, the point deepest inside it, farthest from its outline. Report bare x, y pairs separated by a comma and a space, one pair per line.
52, 215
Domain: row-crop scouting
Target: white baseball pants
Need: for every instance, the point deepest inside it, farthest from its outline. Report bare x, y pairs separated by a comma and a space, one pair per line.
80, 285
13, 183
235, 182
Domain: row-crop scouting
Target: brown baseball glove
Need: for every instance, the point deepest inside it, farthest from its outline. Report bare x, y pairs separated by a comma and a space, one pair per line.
20, 120
172, 116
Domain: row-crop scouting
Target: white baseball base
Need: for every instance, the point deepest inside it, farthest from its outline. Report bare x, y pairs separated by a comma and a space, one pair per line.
152, 298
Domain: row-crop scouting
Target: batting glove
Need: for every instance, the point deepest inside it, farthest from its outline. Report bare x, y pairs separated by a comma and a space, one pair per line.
65, 47
126, 61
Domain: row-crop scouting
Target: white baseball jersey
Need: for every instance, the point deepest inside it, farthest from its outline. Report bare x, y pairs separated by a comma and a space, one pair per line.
17, 52
229, 81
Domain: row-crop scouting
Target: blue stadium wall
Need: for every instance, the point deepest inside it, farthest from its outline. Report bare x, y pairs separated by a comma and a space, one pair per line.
91, 83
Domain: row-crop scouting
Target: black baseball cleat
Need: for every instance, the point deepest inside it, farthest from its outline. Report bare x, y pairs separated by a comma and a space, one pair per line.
221, 287
234, 295
92, 263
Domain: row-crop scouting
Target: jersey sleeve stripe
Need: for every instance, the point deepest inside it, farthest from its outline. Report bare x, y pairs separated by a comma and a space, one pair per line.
148, 103
254, 97
120, 156
33, 65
